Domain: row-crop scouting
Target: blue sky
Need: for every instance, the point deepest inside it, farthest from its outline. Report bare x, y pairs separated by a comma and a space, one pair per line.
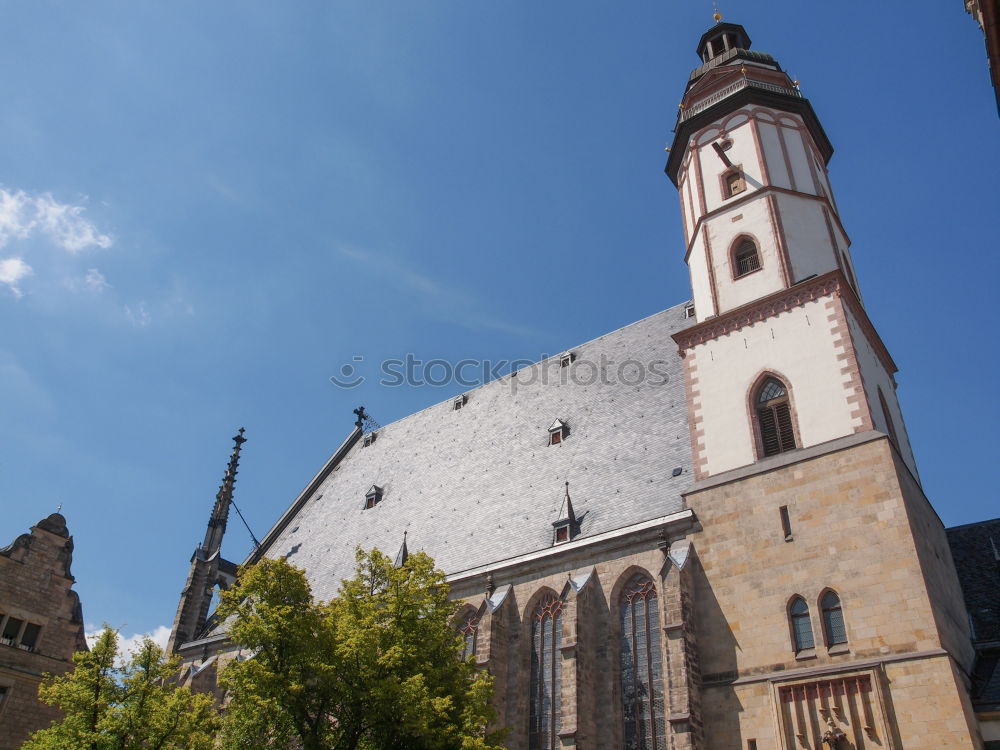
208, 208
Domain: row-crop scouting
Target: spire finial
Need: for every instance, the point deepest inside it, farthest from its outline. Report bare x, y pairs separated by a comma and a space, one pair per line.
361, 416
716, 15
403, 555
59, 509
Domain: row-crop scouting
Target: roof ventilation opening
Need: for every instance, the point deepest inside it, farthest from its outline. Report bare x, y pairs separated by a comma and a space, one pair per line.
373, 497
565, 360
677, 472
558, 432
567, 527
460, 402
688, 311
370, 438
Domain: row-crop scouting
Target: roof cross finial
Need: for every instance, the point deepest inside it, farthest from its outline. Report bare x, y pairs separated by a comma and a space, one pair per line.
59, 510
361, 416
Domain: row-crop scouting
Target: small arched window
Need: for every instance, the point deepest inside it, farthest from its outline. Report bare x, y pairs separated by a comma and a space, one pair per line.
546, 639
774, 418
746, 259
833, 619
802, 631
469, 630
642, 668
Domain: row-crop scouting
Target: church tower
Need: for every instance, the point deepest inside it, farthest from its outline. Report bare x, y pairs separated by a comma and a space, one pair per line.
777, 302
827, 609
208, 568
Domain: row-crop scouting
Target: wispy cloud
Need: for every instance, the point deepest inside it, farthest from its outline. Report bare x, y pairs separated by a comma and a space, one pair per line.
12, 270
447, 302
128, 645
23, 215
138, 315
94, 280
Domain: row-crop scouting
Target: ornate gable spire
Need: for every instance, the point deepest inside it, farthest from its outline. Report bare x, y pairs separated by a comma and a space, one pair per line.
223, 499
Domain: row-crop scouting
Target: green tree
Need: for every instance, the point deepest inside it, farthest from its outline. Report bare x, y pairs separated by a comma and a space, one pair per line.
134, 706
377, 667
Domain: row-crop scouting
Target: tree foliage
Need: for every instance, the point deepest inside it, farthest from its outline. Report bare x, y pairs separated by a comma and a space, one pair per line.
378, 667
130, 706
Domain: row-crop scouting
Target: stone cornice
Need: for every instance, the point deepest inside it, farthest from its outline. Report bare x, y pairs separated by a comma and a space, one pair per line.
759, 310
833, 283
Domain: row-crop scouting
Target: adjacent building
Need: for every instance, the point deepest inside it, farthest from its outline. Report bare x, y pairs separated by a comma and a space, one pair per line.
41, 625
987, 15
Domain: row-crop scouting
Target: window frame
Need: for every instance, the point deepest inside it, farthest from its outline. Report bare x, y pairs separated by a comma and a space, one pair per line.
799, 646
729, 190
641, 586
545, 619
827, 627
738, 246
755, 409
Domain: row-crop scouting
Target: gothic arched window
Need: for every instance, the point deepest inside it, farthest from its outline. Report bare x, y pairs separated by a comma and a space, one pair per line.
833, 619
774, 418
802, 631
469, 630
642, 680
746, 259
546, 638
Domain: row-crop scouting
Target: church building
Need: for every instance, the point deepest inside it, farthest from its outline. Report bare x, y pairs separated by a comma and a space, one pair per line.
704, 530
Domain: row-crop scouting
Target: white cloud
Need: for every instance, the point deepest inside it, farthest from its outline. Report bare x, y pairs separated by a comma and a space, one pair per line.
23, 215
138, 316
129, 645
12, 270
94, 280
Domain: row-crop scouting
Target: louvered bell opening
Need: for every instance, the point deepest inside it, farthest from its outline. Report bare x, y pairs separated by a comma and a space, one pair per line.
786, 436
769, 432
776, 433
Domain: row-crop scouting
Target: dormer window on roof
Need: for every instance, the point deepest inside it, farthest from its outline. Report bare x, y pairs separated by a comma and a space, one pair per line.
558, 432
373, 497
567, 526
370, 438
565, 360
460, 402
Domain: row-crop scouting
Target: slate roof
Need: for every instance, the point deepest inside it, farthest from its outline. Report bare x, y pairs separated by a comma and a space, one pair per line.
481, 484
975, 547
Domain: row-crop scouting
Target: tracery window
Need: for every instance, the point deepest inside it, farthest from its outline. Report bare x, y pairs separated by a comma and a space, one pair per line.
834, 630
774, 418
641, 662
546, 638
469, 631
802, 631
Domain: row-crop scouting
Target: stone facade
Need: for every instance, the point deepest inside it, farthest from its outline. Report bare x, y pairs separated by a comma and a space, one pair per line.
41, 625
